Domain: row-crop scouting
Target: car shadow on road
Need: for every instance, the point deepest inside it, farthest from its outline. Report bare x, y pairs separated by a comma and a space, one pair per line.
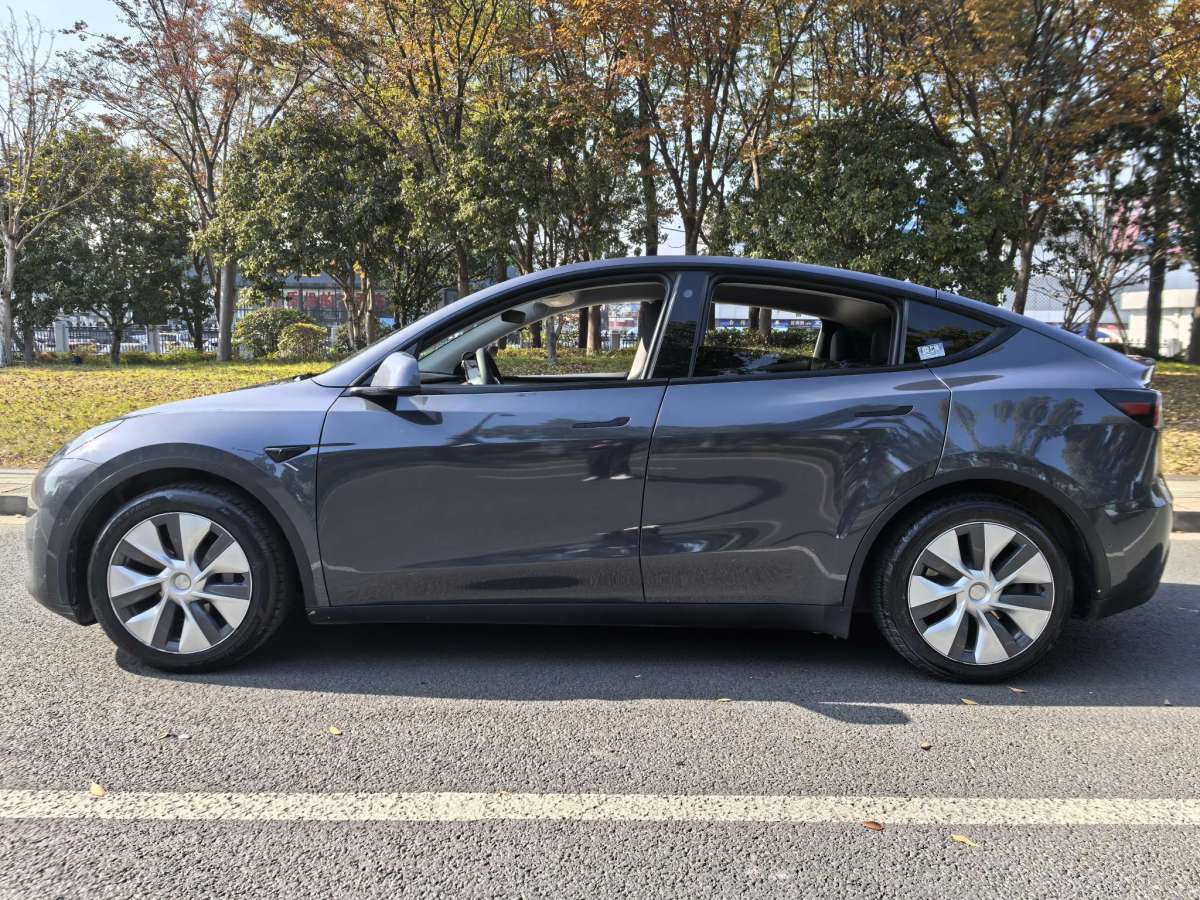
1146, 657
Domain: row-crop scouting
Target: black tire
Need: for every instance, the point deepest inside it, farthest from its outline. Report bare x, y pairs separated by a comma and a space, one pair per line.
899, 554
272, 583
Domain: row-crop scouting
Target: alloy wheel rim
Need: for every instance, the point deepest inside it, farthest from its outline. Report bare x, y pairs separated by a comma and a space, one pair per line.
981, 593
179, 583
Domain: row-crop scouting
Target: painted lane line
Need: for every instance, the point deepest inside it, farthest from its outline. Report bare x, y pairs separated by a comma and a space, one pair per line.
476, 807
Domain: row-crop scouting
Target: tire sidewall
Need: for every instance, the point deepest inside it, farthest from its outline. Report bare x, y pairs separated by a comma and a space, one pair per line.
917, 536
241, 527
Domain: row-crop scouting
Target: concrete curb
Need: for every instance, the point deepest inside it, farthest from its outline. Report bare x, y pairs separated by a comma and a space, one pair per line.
1186, 520
12, 505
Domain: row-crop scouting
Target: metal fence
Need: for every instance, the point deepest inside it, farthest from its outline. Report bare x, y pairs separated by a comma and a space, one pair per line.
98, 340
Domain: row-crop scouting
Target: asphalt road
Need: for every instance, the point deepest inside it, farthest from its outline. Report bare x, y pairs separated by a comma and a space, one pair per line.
525, 715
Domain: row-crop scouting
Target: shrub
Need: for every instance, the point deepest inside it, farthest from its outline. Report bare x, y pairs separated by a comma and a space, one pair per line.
341, 341
259, 331
186, 355
302, 340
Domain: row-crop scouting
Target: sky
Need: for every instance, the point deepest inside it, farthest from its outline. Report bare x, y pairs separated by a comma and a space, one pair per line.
58, 14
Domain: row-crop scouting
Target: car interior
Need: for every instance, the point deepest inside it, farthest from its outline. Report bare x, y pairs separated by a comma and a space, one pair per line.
838, 332
467, 357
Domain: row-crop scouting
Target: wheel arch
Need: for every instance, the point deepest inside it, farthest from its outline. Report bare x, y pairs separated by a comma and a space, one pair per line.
115, 488
1054, 509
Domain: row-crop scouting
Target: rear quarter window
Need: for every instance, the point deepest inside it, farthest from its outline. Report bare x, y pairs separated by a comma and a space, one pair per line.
933, 333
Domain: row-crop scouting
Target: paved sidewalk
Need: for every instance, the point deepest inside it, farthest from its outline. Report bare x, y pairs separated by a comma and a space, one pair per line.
14, 489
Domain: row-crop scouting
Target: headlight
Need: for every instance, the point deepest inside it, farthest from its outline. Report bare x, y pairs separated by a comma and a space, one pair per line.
74, 446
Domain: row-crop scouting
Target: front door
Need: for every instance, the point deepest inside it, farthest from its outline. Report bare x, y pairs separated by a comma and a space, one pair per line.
486, 493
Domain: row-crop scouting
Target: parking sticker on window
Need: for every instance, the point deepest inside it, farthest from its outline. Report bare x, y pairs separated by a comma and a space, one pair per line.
931, 351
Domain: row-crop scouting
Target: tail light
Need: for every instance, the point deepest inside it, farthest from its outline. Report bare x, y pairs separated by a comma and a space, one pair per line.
1143, 406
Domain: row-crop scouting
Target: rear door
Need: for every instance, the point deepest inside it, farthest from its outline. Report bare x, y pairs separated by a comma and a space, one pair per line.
760, 487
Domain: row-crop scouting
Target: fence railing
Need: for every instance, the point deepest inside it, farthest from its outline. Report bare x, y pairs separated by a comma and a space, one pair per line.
63, 337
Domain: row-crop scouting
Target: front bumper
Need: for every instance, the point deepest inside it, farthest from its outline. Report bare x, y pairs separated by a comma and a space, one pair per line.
53, 505
1136, 540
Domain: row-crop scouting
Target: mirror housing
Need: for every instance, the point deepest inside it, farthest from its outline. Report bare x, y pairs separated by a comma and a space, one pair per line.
398, 375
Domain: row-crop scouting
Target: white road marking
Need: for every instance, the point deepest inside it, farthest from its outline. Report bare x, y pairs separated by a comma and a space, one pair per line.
476, 807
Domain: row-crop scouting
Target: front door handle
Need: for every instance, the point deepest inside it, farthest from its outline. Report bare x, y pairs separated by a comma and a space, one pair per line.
878, 411
616, 422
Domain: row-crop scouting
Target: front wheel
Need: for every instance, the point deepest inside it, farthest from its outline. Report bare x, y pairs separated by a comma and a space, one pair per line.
972, 589
189, 577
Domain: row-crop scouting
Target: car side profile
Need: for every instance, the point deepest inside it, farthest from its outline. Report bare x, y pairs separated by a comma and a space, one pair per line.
971, 477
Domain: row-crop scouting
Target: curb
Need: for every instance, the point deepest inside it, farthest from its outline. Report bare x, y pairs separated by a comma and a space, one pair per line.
12, 505
1186, 520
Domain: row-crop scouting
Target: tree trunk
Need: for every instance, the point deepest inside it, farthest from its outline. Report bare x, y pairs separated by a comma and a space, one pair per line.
6, 302
118, 332
1154, 298
691, 236
1094, 318
593, 340
462, 260
1024, 272
371, 323
535, 335
1160, 239
27, 342
1193, 353
764, 324
552, 341
225, 313
646, 167
584, 320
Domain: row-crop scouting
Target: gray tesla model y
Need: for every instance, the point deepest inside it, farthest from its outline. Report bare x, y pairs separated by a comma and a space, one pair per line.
969, 476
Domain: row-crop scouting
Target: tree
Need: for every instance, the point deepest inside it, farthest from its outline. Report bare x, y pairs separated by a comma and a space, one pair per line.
878, 193
414, 71
44, 169
190, 299
313, 193
1094, 247
186, 81
133, 246
1187, 184
1029, 86
709, 75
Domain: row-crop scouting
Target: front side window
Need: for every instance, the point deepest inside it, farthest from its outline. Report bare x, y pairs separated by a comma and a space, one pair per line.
594, 332
934, 333
769, 330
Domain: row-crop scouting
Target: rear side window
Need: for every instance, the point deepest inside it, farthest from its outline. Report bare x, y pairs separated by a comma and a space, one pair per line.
934, 333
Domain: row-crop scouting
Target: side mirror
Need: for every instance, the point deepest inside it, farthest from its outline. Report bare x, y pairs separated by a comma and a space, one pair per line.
397, 375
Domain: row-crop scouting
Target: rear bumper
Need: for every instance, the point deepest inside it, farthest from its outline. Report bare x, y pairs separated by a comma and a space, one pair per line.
1136, 537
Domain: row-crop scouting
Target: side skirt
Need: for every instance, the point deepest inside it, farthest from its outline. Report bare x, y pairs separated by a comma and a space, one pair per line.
834, 620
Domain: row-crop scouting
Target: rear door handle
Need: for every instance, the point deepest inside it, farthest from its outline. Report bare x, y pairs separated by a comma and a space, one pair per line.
878, 411
616, 422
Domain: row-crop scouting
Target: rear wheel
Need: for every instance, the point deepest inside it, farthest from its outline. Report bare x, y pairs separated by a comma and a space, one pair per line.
189, 577
972, 589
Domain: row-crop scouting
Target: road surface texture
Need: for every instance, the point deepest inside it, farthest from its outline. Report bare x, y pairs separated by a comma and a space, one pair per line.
561, 762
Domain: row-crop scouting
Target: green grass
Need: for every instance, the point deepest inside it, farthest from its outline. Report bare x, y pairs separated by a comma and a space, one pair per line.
44, 406
1180, 386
